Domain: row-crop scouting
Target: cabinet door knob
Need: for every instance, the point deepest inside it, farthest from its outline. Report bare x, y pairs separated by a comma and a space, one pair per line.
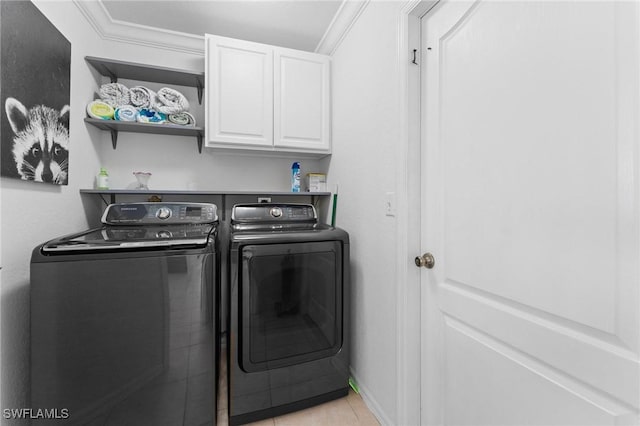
427, 260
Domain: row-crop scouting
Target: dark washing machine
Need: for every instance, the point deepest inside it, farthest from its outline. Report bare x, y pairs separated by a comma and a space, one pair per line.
288, 345
123, 319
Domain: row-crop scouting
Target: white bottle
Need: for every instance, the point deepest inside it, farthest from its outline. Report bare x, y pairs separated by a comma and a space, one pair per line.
295, 177
102, 180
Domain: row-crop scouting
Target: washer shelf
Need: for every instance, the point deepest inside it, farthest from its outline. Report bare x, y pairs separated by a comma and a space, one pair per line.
115, 69
115, 126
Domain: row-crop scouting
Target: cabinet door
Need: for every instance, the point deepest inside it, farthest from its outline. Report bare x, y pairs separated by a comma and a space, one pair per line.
301, 100
239, 101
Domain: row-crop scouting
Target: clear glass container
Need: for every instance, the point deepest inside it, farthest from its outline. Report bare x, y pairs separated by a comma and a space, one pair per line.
143, 179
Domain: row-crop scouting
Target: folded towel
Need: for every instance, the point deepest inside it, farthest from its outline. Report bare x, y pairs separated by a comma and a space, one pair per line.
114, 94
126, 113
143, 97
151, 116
171, 101
182, 118
100, 110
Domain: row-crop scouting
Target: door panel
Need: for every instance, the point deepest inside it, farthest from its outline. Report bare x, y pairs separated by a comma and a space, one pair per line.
301, 100
549, 340
496, 382
558, 177
530, 206
239, 99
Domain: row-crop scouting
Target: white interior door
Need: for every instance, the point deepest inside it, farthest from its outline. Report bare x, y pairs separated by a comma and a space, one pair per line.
531, 209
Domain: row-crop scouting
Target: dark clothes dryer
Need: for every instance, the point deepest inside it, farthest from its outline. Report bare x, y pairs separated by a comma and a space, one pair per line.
123, 319
288, 342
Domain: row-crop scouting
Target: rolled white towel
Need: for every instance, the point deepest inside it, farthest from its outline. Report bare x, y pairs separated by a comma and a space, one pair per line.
100, 110
126, 113
151, 116
182, 118
143, 97
114, 94
171, 101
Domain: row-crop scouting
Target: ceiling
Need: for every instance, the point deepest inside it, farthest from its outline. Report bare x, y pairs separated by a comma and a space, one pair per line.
297, 24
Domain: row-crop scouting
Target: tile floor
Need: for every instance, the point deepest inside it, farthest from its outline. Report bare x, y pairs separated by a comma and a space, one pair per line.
348, 411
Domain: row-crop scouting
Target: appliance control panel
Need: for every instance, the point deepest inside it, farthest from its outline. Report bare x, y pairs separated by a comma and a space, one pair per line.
272, 212
159, 213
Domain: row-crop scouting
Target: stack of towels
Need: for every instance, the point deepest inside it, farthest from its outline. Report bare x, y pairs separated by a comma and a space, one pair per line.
141, 104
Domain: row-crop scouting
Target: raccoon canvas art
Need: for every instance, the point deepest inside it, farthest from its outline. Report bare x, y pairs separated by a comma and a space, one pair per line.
35, 91
40, 141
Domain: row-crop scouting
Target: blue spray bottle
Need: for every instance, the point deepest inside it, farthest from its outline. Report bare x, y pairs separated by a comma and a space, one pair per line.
295, 177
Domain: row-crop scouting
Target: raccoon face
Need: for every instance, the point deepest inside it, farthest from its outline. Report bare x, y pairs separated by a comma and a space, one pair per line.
41, 141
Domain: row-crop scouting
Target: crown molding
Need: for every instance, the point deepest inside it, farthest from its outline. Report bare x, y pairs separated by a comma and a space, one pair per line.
345, 17
125, 32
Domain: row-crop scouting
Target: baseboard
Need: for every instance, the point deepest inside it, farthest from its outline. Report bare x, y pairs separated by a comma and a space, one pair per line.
370, 401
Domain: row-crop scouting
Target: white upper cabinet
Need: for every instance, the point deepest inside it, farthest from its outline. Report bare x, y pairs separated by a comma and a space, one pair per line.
239, 102
267, 98
301, 100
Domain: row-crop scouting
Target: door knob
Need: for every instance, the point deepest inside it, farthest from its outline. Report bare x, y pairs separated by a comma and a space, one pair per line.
427, 260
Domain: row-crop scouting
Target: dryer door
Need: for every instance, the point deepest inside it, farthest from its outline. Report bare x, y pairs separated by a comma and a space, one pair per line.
291, 303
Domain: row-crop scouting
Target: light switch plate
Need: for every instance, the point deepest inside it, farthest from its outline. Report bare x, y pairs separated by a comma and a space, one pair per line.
390, 204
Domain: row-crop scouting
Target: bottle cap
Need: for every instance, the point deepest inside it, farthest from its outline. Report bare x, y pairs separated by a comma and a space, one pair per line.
295, 165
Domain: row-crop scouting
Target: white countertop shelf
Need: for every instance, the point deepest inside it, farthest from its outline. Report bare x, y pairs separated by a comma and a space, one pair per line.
198, 192
113, 193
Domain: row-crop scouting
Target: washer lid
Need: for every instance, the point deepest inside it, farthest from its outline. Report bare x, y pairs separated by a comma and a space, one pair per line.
131, 238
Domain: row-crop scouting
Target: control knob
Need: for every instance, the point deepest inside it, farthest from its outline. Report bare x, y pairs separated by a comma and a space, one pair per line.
163, 213
276, 212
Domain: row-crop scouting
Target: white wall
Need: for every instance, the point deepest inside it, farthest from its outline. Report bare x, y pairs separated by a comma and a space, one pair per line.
32, 213
366, 136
